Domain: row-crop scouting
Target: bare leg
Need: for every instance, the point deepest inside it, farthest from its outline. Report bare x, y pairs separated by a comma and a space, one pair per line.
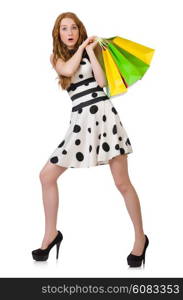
119, 170
48, 177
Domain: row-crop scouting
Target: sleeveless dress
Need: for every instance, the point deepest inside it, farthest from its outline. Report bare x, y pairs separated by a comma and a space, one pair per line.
95, 133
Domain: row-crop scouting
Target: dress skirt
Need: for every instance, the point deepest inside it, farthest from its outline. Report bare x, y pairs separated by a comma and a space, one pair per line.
94, 136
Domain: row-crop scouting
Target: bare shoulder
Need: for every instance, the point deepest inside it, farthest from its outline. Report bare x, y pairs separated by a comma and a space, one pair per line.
51, 59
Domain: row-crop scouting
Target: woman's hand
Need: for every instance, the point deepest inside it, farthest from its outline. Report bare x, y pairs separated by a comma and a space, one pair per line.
89, 43
91, 46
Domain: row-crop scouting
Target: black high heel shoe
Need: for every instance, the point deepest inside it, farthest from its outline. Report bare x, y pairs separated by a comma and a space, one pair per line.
43, 254
136, 260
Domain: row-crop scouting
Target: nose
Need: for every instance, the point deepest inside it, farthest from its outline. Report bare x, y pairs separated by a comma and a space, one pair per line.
70, 32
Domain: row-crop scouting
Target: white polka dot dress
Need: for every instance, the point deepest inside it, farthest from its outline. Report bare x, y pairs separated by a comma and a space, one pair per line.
95, 133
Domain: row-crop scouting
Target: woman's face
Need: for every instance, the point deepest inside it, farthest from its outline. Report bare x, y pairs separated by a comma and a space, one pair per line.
69, 32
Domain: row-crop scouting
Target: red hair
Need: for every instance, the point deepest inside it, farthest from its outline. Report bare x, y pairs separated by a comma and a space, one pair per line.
60, 50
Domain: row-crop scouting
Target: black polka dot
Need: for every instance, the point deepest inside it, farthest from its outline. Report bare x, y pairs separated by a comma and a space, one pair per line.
61, 144
79, 156
104, 118
104, 134
97, 149
114, 130
90, 148
80, 110
121, 124
106, 147
97, 123
77, 142
80, 75
83, 62
114, 110
64, 152
128, 142
93, 109
122, 151
94, 95
117, 147
120, 138
77, 128
54, 159
99, 136
89, 130
87, 83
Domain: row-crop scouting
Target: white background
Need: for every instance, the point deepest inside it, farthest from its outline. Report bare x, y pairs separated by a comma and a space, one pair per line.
35, 113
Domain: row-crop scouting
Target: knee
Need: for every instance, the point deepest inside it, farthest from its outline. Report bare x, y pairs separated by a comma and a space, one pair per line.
46, 177
123, 186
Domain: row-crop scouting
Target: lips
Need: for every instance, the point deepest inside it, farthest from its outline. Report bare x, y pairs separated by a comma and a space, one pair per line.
70, 39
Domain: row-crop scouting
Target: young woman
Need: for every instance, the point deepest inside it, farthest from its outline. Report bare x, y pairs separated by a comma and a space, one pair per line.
96, 135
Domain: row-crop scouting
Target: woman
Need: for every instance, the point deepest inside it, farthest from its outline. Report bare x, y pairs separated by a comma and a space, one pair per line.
95, 136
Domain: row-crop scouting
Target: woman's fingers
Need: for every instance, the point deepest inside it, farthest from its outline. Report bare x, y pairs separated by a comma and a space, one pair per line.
93, 37
89, 40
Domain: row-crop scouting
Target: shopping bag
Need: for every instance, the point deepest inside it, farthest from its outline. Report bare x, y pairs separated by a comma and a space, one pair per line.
126, 57
114, 79
142, 52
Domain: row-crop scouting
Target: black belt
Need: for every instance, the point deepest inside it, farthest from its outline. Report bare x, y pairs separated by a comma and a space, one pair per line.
89, 102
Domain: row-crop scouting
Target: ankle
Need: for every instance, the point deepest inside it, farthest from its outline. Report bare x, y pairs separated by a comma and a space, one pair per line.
49, 235
139, 236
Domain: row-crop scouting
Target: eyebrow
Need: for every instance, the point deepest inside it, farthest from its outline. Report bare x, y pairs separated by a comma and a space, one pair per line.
66, 25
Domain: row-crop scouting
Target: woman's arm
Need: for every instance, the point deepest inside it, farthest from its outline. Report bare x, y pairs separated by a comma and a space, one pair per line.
97, 69
69, 67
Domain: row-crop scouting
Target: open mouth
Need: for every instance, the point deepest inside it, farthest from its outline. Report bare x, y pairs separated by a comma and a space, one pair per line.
70, 39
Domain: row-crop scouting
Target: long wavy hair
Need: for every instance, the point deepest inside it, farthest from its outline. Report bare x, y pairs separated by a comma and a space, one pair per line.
60, 50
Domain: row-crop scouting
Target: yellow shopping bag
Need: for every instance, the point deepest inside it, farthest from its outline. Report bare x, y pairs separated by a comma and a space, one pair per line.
140, 51
116, 83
